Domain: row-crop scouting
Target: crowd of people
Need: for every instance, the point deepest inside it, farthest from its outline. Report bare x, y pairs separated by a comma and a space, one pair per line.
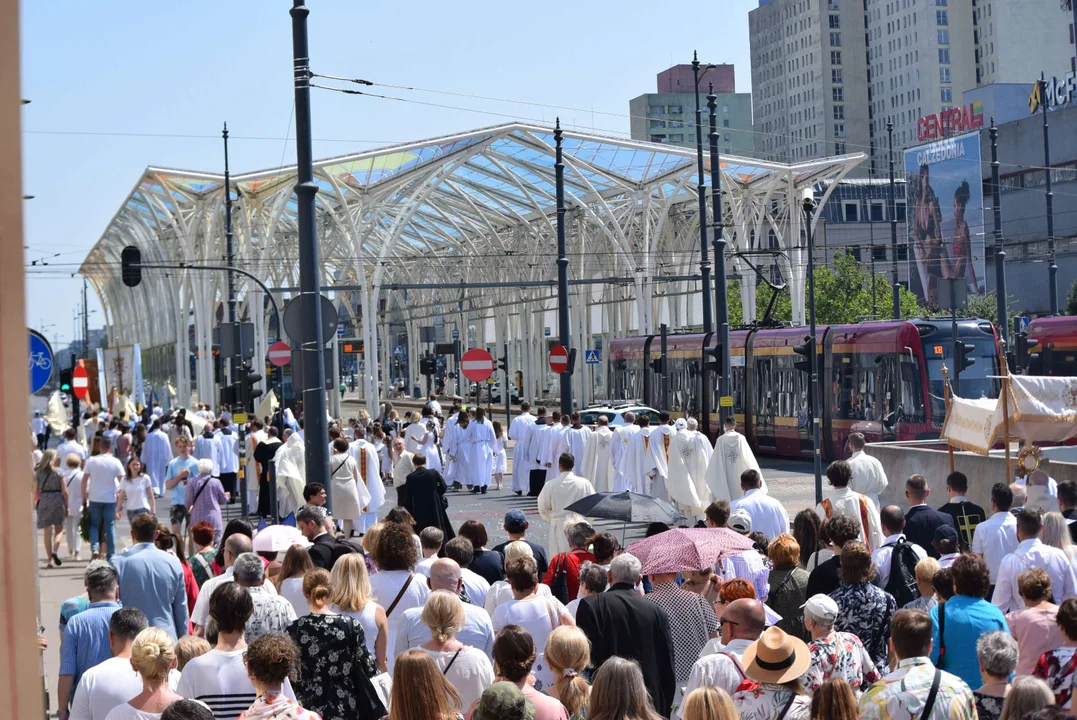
845, 610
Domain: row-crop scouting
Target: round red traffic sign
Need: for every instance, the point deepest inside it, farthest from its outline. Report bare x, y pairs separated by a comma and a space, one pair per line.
80, 382
477, 365
280, 353
558, 359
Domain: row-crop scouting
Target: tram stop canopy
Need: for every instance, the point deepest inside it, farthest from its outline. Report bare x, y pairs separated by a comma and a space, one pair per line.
473, 212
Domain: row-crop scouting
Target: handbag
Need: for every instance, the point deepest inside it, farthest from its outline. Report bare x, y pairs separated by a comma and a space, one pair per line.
559, 586
383, 686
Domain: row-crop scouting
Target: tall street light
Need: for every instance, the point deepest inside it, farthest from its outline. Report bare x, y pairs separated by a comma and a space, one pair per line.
1052, 266
718, 238
809, 209
893, 228
701, 192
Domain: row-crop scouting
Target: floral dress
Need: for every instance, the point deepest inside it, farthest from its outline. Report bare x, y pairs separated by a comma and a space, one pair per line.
274, 706
866, 611
988, 707
764, 701
1056, 669
840, 655
336, 667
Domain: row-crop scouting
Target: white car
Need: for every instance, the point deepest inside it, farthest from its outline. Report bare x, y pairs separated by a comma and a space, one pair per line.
615, 414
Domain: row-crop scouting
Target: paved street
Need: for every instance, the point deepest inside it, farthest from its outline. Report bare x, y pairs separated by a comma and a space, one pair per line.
790, 481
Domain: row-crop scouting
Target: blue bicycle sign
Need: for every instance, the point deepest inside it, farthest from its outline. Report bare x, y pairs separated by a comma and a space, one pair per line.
39, 361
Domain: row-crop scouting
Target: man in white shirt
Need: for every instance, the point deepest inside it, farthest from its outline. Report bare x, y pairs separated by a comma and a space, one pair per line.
402, 467
741, 624
434, 405
768, 515
40, 427
430, 540
996, 537
893, 521
272, 613
1032, 553
869, 478
70, 446
100, 481
840, 500
462, 551
234, 546
478, 630
113, 682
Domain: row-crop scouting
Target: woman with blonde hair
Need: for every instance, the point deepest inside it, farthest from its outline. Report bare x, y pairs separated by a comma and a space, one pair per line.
51, 493
1056, 533
420, 690
153, 654
352, 596
618, 693
568, 654
925, 575
1026, 696
713, 703
501, 592
467, 669
289, 581
370, 544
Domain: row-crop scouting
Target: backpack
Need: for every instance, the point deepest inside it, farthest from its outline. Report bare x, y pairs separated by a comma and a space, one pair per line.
902, 581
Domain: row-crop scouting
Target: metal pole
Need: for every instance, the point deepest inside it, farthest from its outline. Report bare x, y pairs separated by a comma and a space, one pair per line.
230, 260
953, 338
721, 304
1052, 266
1000, 252
893, 227
874, 303
701, 192
562, 272
316, 428
506, 391
85, 324
816, 409
664, 329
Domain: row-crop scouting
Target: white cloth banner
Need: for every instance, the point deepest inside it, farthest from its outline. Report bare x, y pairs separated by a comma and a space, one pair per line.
1040, 409
139, 395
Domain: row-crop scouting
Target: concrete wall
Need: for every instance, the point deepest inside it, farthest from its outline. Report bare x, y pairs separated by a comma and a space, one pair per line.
901, 461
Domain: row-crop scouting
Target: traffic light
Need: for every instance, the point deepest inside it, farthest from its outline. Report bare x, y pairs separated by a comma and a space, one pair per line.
428, 365
1023, 344
131, 266
805, 351
659, 366
246, 387
228, 396
962, 356
65, 381
571, 361
503, 364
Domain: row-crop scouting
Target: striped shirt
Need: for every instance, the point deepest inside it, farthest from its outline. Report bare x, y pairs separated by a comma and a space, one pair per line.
219, 679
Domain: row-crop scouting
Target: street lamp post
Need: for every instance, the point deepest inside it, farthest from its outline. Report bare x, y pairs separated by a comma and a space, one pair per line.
1000, 250
893, 228
562, 269
718, 238
1052, 266
816, 402
701, 192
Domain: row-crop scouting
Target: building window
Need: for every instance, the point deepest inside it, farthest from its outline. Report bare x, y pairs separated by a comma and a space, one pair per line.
658, 138
836, 77
839, 148
850, 211
725, 109
656, 109
878, 252
903, 254
658, 123
947, 95
838, 94
725, 122
941, 17
835, 22
899, 210
854, 250
941, 3
677, 138
944, 56
835, 57
944, 74
839, 130
944, 37
833, 5
839, 112
676, 110
835, 39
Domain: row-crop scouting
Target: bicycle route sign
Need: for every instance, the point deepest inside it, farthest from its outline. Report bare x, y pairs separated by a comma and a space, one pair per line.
40, 361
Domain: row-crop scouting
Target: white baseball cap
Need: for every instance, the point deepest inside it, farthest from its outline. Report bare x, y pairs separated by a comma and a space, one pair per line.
822, 607
740, 521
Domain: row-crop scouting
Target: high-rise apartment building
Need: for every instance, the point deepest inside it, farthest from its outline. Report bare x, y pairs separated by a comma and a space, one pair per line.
668, 116
809, 85
1016, 41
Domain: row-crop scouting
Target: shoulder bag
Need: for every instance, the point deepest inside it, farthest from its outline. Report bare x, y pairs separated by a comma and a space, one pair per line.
929, 704
942, 632
559, 586
403, 589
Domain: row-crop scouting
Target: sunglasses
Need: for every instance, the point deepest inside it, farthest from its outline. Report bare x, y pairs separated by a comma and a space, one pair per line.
723, 622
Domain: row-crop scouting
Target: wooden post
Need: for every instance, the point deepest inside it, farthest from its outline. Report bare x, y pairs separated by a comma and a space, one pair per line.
1005, 393
946, 397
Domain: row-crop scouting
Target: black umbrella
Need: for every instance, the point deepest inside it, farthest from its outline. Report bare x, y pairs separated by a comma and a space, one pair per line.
626, 507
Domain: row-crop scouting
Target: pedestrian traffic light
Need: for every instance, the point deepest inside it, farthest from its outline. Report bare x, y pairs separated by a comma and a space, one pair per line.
65, 381
962, 356
131, 266
1023, 344
805, 350
571, 362
247, 391
503, 364
228, 396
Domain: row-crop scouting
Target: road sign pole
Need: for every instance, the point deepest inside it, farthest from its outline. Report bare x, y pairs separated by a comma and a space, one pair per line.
562, 267
507, 392
74, 397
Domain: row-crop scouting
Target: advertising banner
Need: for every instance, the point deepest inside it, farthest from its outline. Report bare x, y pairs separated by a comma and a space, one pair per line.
946, 227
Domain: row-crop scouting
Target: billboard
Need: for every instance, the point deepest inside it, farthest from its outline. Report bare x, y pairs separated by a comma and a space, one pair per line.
946, 228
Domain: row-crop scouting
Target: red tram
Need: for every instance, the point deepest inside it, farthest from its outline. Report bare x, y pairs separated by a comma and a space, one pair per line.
1056, 351
883, 379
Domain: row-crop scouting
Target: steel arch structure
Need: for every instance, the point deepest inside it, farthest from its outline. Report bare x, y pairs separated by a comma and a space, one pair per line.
475, 207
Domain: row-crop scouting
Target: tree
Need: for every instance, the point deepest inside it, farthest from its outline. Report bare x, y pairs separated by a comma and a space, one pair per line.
986, 306
1071, 299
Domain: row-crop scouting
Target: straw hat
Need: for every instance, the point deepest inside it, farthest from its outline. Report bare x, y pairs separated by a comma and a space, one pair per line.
776, 657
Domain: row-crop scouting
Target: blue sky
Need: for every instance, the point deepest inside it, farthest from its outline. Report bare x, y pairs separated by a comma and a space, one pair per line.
182, 68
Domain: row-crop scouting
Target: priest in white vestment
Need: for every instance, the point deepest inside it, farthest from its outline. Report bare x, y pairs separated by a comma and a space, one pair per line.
156, 454
597, 463
869, 478
450, 446
479, 438
732, 456
518, 433
622, 437
662, 436
557, 495
645, 459
573, 440
558, 428
291, 464
366, 457
538, 439
689, 454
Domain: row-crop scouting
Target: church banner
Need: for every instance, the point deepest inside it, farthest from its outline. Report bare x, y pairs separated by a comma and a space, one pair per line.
1040, 409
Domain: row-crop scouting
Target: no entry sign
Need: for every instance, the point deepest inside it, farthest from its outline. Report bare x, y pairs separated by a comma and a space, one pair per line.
558, 359
280, 353
477, 365
80, 382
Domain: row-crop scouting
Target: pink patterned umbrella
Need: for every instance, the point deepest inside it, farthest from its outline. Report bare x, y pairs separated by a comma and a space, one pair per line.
684, 549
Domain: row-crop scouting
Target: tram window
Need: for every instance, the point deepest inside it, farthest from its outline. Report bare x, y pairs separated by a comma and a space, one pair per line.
737, 377
911, 398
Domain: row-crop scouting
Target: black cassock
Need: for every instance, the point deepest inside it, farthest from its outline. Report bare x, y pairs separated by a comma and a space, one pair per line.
425, 492
622, 622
